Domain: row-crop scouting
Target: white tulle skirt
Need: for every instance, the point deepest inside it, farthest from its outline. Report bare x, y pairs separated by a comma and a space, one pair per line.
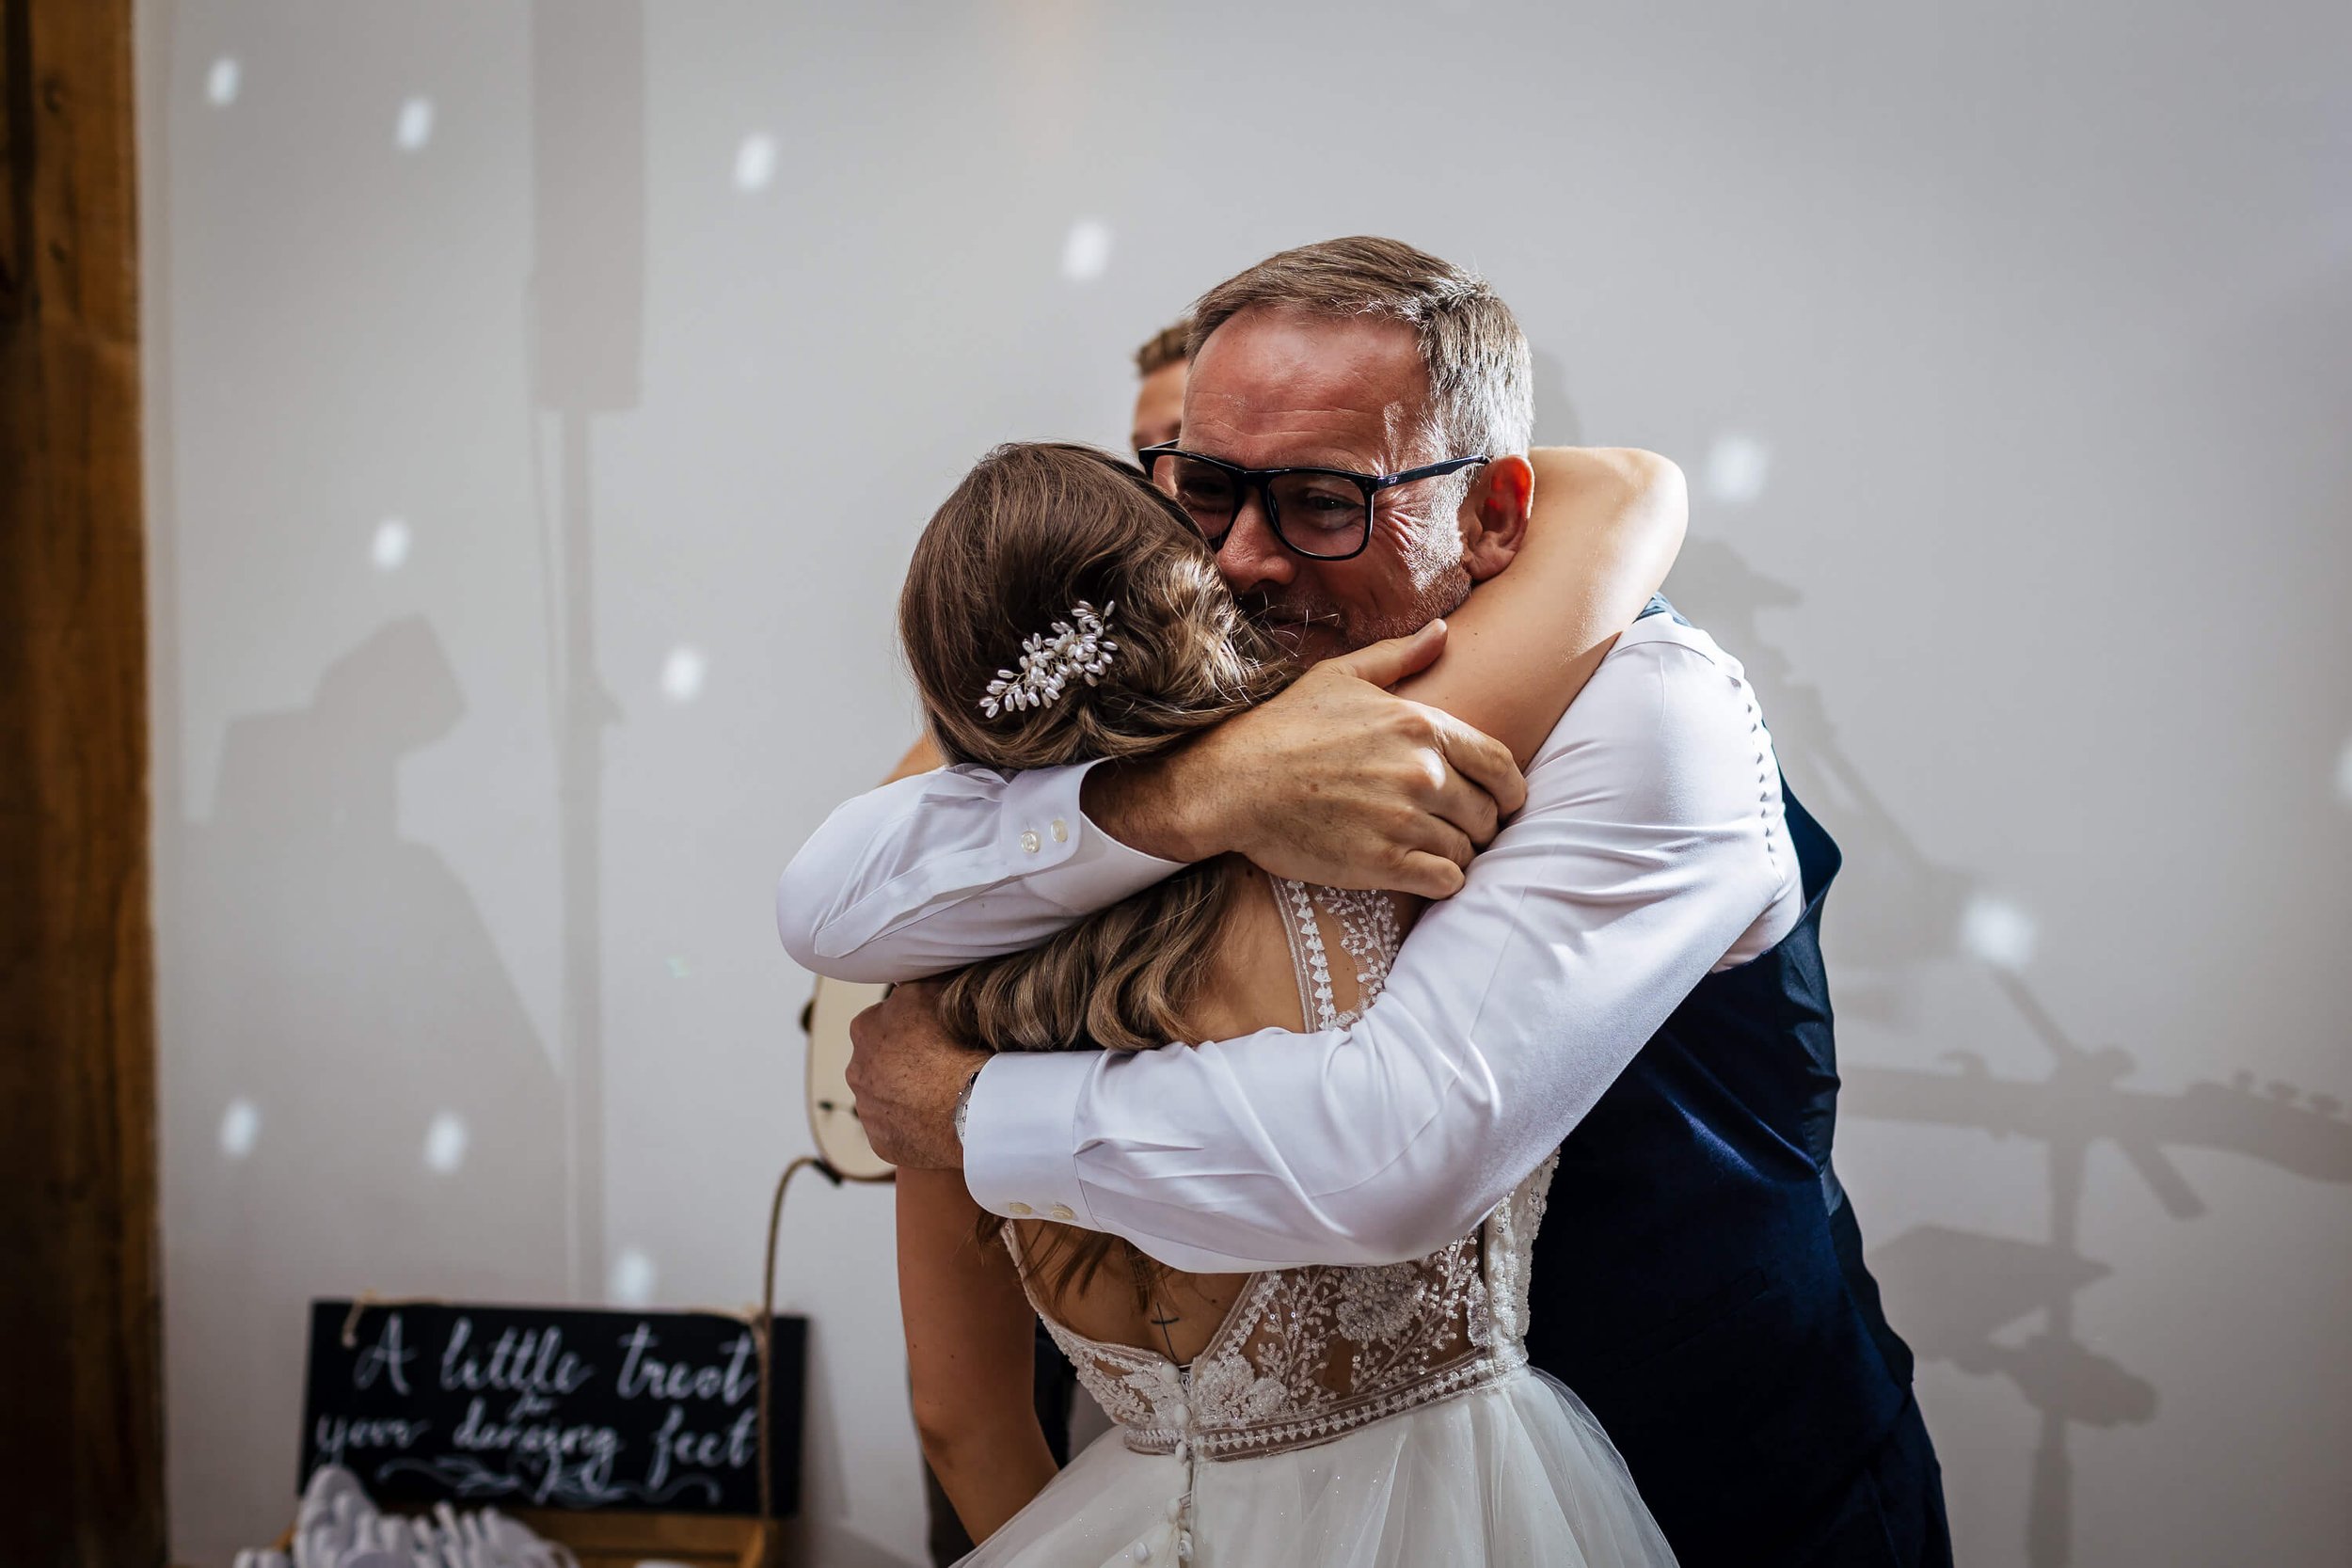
1516, 1472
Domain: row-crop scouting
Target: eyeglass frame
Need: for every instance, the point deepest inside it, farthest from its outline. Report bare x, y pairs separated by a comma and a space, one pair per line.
1261, 481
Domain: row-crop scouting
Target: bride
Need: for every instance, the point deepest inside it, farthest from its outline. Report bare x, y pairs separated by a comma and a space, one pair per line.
1060, 609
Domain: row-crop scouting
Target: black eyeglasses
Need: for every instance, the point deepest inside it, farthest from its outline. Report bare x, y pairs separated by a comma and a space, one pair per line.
1323, 514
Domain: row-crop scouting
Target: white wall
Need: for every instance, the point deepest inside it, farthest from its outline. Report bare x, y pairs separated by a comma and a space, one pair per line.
2006, 346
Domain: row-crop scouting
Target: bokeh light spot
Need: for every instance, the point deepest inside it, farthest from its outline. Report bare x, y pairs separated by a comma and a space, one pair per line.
391, 546
633, 1278
756, 162
1737, 467
445, 1143
2344, 774
240, 1128
1085, 255
415, 126
1998, 932
682, 675
221, 82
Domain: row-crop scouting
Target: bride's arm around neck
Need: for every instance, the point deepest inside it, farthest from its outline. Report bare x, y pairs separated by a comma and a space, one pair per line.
1604, 527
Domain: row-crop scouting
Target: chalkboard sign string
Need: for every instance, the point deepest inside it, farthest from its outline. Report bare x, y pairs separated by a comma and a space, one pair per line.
365, 1299
766, 1327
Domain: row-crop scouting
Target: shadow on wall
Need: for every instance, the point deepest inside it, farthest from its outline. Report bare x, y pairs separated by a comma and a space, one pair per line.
355, 1052
1994, 1306
586, 312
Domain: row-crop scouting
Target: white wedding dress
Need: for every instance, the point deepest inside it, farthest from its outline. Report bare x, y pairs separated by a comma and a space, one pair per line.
1343, 1416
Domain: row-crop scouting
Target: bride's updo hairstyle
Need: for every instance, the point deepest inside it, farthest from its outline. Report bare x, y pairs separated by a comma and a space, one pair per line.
1035, 531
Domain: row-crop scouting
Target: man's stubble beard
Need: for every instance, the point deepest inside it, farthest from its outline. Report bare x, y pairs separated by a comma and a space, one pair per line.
1310, 625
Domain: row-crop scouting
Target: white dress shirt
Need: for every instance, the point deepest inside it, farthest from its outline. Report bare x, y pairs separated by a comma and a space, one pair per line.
1651, 850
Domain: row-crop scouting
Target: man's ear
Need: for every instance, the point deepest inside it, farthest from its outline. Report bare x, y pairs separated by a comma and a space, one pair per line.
1494, 515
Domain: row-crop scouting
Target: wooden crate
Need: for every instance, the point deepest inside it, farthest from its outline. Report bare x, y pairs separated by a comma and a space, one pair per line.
625, 1540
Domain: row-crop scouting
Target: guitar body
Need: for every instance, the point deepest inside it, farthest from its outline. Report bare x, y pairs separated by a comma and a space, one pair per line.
832, 1109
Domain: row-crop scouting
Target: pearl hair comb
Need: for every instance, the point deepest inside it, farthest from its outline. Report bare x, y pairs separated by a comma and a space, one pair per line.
1051, 660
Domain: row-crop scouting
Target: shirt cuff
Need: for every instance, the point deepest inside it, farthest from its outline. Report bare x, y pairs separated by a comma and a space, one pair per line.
1020, 1135
1067, 860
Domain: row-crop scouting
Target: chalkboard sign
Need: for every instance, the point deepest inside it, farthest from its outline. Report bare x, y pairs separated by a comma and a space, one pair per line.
552, 1408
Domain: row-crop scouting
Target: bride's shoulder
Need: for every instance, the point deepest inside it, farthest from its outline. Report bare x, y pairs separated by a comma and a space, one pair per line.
1251, 984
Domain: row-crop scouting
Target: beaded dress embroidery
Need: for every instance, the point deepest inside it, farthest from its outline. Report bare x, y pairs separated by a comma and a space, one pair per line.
1307, 1355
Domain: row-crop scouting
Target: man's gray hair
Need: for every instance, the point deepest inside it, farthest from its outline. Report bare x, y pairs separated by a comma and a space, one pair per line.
1482, 384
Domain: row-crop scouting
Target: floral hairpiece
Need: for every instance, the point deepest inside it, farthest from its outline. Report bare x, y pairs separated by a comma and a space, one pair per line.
1051, 660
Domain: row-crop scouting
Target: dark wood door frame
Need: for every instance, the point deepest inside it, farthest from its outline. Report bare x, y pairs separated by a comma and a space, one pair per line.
81, 1407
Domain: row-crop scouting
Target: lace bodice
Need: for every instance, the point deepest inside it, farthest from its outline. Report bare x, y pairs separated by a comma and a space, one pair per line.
1307, 1354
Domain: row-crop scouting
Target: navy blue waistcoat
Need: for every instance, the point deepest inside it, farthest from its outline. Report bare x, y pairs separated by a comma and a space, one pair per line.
1698, 1279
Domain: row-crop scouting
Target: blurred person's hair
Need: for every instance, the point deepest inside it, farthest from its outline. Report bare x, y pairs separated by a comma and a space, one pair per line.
1033, 530
1481, 383
1169, 345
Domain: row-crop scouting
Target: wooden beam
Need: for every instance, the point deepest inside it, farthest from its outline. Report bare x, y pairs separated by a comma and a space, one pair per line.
81, 1414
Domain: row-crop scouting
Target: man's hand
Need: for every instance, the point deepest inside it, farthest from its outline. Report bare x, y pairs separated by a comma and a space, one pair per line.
906, 1073
1337, 781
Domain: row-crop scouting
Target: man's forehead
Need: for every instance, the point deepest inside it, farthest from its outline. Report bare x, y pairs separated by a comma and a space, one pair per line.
1270, 387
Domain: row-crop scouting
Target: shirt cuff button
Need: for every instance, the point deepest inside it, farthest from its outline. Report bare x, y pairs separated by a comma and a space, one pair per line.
1062, 1212
1029, 842
1019, 1210
1061, 831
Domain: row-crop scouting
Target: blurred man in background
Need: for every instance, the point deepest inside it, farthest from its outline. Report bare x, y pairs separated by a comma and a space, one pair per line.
1160, 394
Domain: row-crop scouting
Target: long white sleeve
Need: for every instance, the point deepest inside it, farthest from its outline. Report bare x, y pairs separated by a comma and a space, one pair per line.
949, 867
1651, 850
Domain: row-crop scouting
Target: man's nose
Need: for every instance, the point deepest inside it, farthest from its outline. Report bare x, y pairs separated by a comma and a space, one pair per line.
1252, 556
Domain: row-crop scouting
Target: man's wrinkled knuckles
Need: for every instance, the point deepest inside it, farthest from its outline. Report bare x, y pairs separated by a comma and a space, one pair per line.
1421, 725
1398, 820
1480, 814
1441, 841
1429, 770
1403, 858
1456, 846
